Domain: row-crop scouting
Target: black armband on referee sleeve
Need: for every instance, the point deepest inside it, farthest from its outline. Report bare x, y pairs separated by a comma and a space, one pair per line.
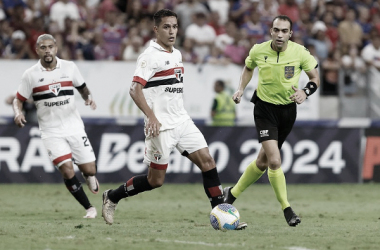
310, 88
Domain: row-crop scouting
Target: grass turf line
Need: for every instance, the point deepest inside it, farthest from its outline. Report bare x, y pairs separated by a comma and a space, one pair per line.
45, 216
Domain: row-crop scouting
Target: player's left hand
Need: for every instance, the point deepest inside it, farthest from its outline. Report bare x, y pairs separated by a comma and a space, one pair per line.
90, 102
299, 96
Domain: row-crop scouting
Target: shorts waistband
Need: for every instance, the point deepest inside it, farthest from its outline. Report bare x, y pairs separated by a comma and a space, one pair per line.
281, 106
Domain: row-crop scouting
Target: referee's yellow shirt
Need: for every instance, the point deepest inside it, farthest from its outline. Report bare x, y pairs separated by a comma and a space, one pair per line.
279, 71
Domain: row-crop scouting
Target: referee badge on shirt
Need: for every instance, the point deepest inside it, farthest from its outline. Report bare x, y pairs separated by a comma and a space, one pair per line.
289, 72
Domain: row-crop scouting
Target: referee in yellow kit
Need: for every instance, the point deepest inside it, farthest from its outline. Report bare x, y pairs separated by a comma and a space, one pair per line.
280, 63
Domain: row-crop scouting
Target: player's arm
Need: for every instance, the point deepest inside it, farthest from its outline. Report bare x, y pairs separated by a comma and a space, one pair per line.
300, 95
19, 116
245, 77
153, 125
86, 95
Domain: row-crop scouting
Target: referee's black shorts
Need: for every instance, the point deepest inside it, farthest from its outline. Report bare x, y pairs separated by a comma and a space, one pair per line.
274, 122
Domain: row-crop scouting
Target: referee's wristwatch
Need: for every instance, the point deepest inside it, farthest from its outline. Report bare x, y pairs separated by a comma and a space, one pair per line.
307, 91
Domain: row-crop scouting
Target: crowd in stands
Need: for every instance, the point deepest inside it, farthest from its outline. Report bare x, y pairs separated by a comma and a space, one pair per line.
341, 34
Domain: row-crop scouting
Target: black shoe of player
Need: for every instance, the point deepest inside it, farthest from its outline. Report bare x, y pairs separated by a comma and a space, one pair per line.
291, 218
228, 197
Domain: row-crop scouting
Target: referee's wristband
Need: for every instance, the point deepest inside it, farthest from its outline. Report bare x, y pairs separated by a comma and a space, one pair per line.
310, 88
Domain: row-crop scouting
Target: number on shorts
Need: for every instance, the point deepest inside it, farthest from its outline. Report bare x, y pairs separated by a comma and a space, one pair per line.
85, 141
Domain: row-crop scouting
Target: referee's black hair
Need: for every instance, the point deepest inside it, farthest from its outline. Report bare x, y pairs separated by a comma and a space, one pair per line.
157, 17
285, 18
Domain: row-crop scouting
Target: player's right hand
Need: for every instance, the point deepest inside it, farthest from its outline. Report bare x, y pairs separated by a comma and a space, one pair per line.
20, 120
237, 96
152, 127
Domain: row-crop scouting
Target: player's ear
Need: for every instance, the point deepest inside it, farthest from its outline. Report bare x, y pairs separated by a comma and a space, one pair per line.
291, 32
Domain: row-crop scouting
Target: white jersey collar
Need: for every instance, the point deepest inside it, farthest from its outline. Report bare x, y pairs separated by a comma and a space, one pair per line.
154, 44
56, 67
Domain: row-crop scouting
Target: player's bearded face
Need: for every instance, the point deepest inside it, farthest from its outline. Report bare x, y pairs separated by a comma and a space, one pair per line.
47, 51
166, 32
281, 34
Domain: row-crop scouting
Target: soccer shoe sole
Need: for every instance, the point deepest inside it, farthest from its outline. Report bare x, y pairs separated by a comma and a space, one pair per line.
242, 226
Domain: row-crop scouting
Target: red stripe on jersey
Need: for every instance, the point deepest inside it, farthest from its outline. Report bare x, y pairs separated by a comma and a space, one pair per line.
129, 182
62, 158
158, 166
20, 97
139, 80
215, 191
168, 72
46, 87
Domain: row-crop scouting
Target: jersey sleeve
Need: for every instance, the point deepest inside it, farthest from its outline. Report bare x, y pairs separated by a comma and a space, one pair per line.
24, 90
249, 61
77, 77
308, 61
145, 69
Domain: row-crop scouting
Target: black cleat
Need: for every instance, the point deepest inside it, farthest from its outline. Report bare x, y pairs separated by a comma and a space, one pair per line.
228, 197
291, 218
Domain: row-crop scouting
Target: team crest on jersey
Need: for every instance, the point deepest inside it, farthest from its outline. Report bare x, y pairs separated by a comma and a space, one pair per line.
55, 88
289, 72
157, 155
178, 74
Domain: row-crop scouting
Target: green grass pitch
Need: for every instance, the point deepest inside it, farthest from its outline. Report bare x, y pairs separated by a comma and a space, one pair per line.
46, 217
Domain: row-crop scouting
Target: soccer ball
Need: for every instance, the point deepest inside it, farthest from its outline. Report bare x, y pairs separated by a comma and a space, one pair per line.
224, 217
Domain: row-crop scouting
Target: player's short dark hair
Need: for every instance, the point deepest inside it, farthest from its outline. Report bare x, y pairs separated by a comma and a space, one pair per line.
284, 18
157, 17
220, 83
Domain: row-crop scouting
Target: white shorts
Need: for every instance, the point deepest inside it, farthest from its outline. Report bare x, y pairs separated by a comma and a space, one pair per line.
63, 149
187, 138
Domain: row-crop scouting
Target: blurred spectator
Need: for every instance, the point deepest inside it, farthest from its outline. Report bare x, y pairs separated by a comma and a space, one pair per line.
37, 28
221, 41
5, 32
254, 28
371, 52
113, 34
321, 43
9, 6
202, 34
18, 48
100, 50
268, 10
185, 12
331, 31
187, 51
236, 51
290, 8
18, 19
354, 72
104, 7
350, 32
61, 10
216, 57
241, 8
330, 73
216, 24
134, 48
223, 109
221, 7
85, 49
363, 21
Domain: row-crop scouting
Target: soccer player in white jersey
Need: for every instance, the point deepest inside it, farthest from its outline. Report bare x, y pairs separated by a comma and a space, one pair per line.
50, 83
157, 89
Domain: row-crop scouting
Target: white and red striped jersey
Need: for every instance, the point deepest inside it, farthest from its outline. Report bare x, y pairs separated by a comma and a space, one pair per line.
161, 73
53, 95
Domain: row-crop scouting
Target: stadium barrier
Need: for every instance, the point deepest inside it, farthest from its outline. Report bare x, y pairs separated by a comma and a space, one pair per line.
311, 154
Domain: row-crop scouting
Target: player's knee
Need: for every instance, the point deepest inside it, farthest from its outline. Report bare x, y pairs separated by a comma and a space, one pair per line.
156, 183
274, 163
